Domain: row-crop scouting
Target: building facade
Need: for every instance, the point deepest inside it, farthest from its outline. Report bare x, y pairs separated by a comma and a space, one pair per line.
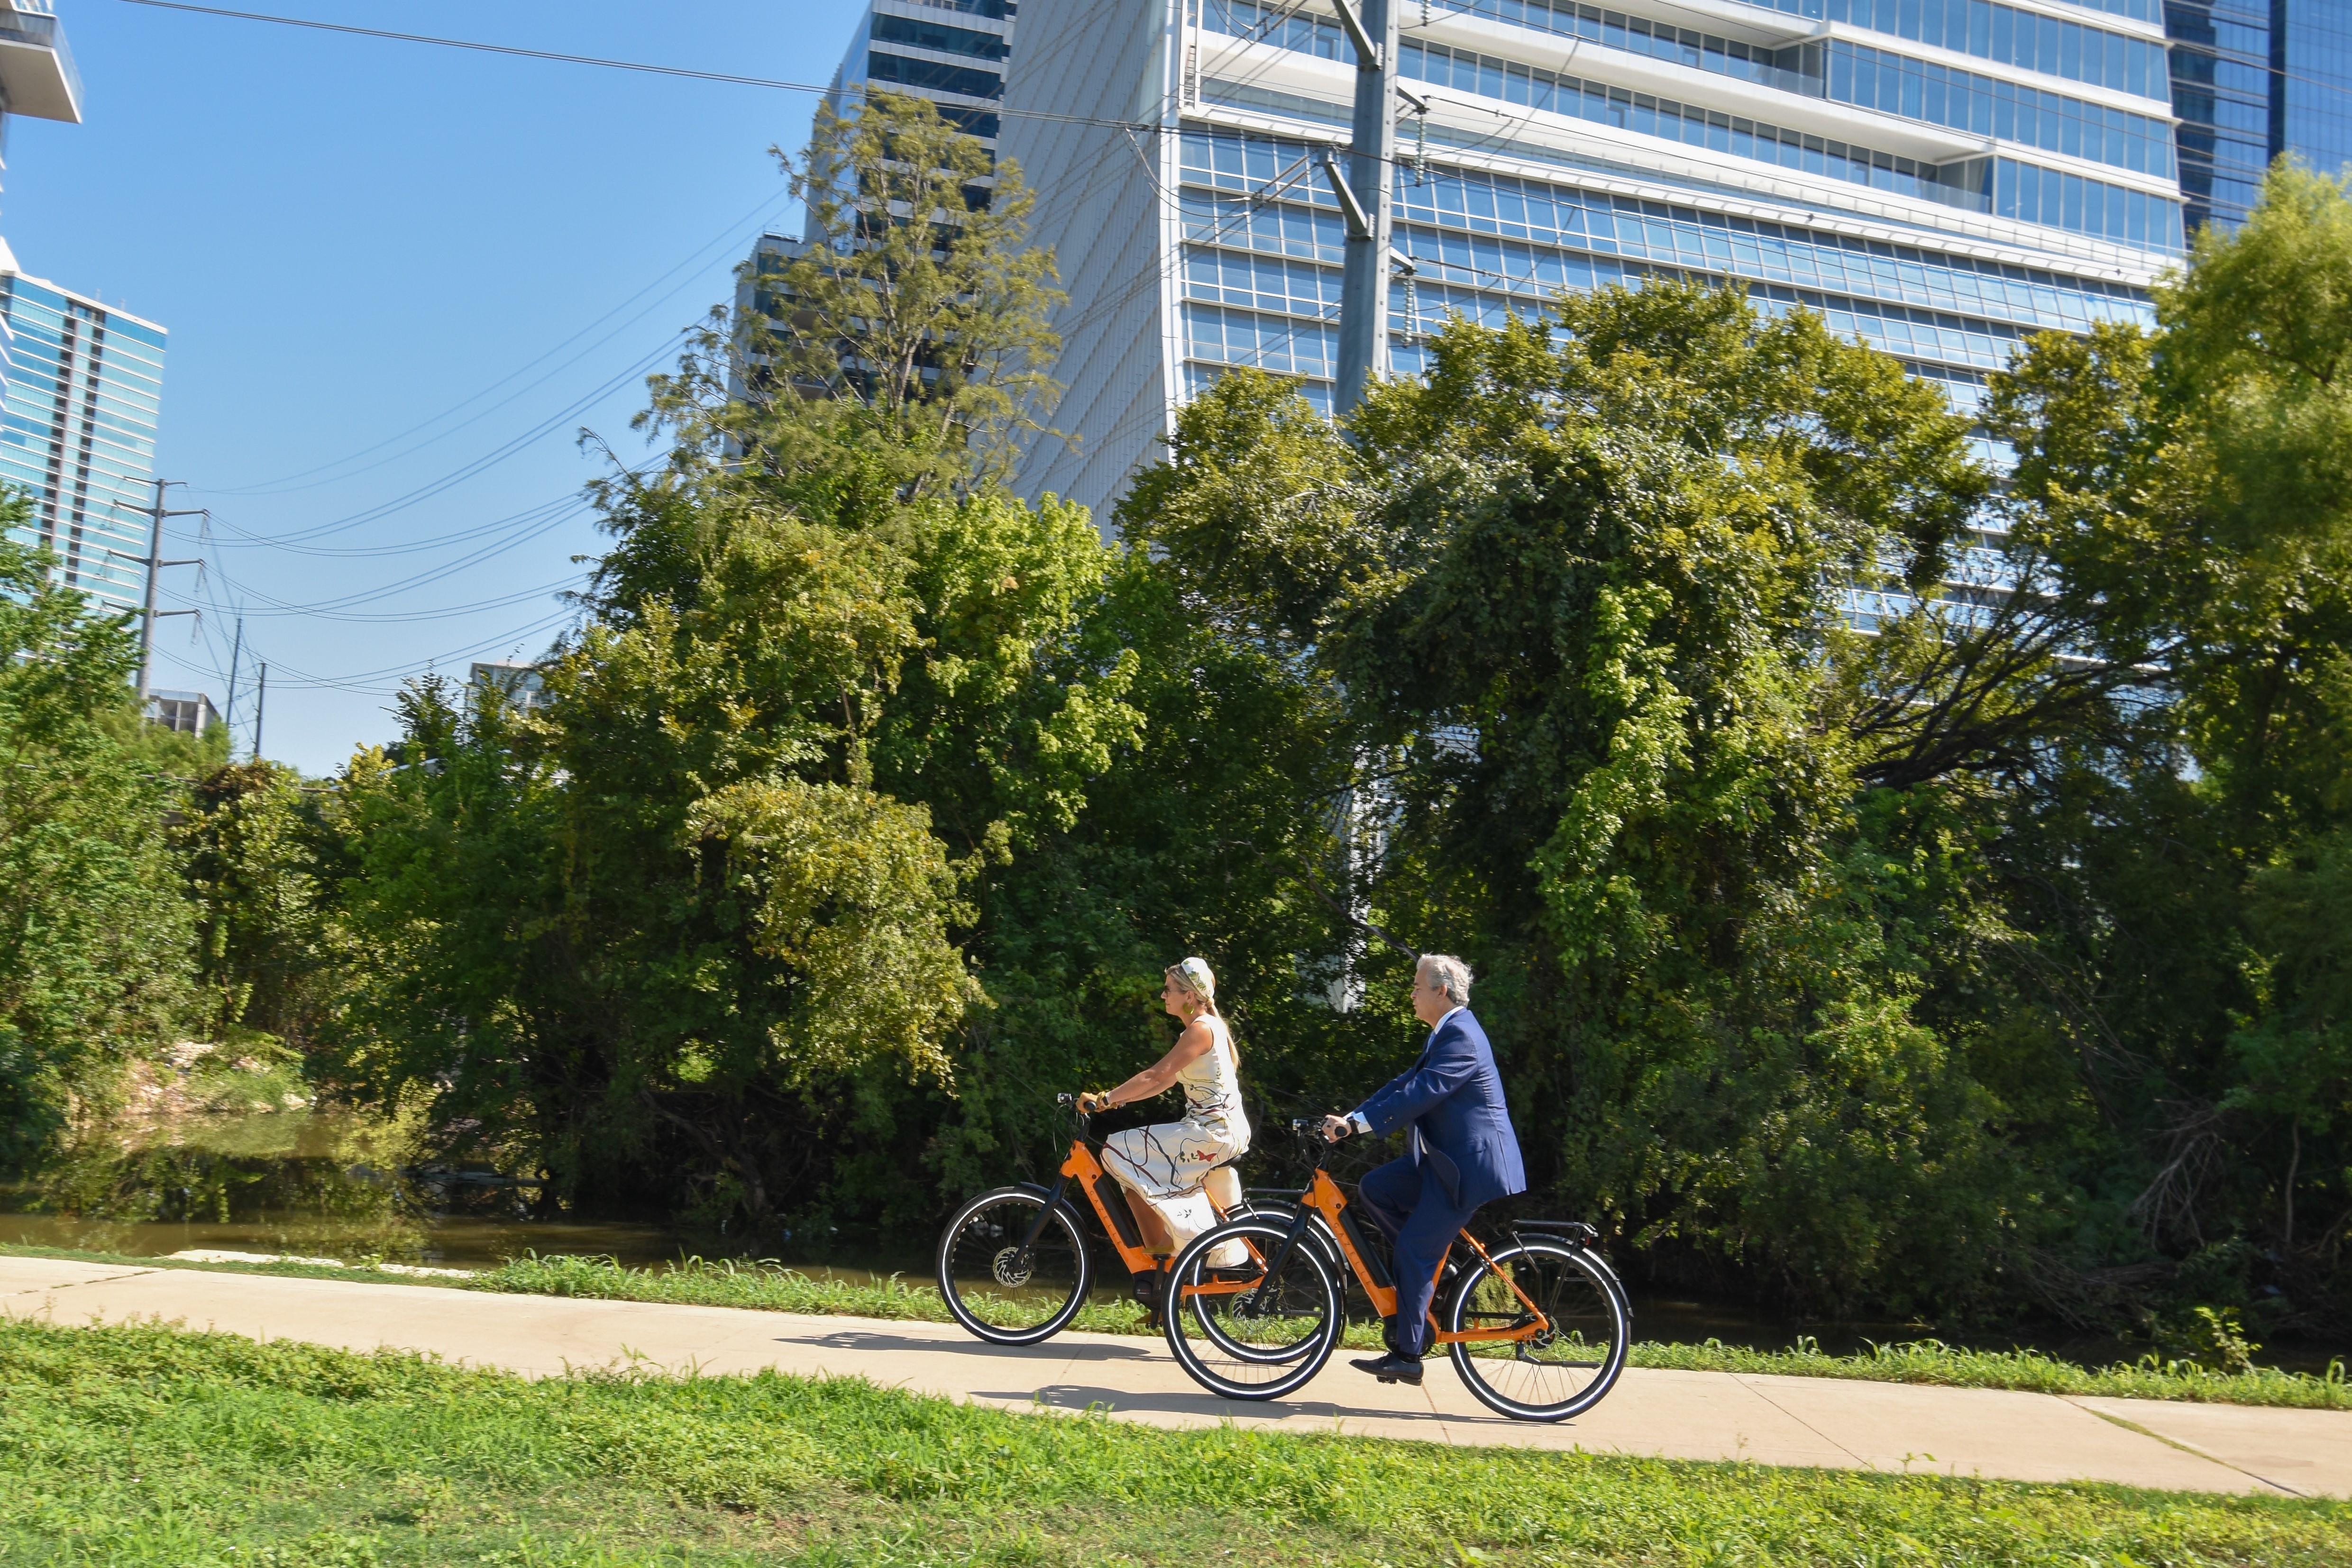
2311, 82
2251, 80
1939, 178
37, 78
82, 382
186, 712
949, 51
953, 52
78, 432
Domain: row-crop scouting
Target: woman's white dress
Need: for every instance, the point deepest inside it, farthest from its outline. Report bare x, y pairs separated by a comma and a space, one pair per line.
1165, 1164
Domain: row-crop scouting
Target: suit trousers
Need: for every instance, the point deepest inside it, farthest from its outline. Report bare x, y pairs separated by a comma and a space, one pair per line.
1408, 1203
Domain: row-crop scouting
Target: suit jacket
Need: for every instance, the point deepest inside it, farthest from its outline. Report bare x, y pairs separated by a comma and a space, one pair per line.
1452, 1100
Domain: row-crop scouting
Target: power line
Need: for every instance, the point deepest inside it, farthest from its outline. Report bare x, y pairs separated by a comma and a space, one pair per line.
763, 210
729, 78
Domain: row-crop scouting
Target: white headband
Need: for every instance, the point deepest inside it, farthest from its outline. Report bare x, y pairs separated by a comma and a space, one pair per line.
1196, 975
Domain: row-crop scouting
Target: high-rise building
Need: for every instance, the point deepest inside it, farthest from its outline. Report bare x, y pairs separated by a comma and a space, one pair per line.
2311, 82
80, 382
2220, 69
37, 78
951, 52
1939, 178
77, 430
2251, 80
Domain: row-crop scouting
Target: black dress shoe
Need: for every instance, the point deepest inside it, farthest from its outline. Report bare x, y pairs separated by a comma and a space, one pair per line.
1391, 1368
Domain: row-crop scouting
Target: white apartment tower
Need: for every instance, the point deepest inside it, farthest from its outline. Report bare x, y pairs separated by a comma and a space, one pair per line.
1939, 178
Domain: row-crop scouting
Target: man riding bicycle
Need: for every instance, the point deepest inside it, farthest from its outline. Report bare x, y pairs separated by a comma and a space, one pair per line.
1463, 1154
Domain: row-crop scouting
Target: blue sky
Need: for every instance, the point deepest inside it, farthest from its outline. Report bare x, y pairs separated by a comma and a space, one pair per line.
348, 238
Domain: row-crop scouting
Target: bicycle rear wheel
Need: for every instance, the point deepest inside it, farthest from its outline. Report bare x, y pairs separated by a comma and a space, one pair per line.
1267, 1338
997, 1290
1571, 1364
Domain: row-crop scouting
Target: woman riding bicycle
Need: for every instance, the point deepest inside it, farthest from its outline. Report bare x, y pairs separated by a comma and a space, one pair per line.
1167, 1169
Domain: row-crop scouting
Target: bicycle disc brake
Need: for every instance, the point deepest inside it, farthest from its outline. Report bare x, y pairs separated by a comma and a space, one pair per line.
1011, 1269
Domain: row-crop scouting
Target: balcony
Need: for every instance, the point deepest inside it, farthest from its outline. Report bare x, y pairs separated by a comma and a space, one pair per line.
36, 69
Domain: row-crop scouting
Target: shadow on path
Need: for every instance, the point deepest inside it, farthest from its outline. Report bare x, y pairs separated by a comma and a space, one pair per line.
1049, 1350
1085, 1396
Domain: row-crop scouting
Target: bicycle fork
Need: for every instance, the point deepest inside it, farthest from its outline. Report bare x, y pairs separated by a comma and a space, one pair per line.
1037, 1226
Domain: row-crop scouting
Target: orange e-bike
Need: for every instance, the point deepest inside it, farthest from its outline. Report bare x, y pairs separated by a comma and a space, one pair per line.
1014, 1263
1537, 1324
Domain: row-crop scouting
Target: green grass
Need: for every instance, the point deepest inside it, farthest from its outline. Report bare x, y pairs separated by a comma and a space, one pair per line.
133, 1444
769, 1287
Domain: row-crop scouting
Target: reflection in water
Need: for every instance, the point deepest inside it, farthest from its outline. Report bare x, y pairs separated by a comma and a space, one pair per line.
324, 1183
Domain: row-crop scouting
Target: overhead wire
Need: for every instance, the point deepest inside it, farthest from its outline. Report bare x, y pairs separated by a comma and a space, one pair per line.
763, 210
603, 62
432, 487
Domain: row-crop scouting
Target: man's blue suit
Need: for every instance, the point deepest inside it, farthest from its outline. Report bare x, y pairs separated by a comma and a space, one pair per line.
1465, 1154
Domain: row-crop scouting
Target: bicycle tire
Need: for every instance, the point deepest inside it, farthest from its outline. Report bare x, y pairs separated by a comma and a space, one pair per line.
990, 1292
1290, 1323
1208, 1316
1568, 1370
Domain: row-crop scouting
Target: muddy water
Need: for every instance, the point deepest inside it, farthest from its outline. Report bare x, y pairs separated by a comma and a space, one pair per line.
319, 1184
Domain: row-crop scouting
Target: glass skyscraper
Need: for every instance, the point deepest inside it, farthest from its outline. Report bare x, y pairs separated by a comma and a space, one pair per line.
77, 432
2251, 80
951, 52
82, 381
37, 78
2311, 81
1939, 178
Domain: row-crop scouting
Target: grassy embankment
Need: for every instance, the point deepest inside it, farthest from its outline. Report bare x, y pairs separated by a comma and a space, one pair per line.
141, 1445
771, 1288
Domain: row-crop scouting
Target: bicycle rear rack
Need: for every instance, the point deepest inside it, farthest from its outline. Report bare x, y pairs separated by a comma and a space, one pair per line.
1576, 1232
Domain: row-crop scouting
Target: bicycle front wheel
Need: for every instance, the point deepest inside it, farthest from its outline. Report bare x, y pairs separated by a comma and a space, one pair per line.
1260, 1330
1001, 1290
1572, 1362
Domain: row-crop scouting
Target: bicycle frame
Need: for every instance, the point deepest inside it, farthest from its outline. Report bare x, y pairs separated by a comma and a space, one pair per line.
1109, 1201
1323, 1196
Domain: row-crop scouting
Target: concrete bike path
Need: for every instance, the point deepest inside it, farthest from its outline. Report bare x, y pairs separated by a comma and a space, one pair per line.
1775, 1420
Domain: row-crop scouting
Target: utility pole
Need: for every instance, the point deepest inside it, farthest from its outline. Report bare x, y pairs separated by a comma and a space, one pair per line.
1363, 196
154, 562
229, 716
260, 707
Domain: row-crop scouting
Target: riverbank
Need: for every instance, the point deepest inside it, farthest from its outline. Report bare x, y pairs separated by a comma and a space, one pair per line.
136, 1444
771, 1288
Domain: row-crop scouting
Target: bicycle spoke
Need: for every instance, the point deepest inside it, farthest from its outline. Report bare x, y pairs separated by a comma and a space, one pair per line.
1569, 1363
1269, 1335
1006, 1277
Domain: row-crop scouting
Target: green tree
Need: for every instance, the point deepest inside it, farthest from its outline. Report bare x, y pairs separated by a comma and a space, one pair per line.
703, 912
912, 328
2186, 489
94, 934
251, 848
1584, 591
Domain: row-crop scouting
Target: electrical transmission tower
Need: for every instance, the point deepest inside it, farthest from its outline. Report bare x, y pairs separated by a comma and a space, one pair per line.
154, 562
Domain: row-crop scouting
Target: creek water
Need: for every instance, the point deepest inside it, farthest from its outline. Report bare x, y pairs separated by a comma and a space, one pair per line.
325, 1184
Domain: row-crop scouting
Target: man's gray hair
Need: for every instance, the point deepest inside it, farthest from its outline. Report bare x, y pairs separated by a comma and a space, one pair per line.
1451, 972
